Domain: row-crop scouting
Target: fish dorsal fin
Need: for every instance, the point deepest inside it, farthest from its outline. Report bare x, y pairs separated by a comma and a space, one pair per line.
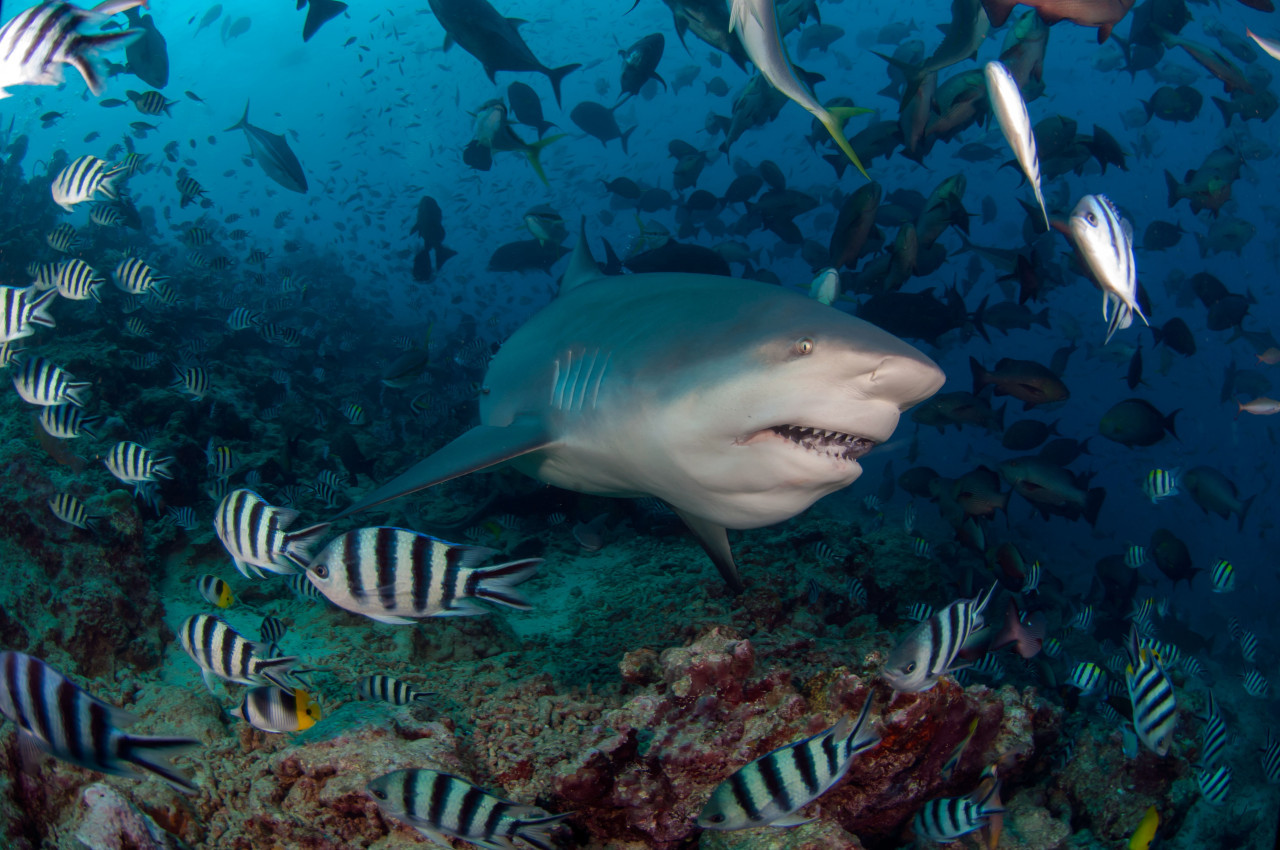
582, 266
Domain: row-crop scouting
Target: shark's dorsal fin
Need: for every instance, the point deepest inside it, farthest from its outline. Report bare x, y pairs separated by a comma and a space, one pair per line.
482, 447
582, 266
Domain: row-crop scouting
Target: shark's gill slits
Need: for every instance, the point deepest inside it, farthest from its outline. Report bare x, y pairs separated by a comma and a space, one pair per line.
834, 443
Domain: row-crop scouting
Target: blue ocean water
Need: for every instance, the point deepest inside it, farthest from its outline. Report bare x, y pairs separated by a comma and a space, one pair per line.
379, 114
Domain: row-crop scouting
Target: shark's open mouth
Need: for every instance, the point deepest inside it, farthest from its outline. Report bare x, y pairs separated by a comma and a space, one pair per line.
831, 443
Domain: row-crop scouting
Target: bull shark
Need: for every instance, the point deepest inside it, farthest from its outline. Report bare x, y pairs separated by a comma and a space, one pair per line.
737, 403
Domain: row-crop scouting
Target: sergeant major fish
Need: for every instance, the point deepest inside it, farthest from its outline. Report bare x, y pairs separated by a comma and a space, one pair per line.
40, 40
393, 575
772, 790
57, 716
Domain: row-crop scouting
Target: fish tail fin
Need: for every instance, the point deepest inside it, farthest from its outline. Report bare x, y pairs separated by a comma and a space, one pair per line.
155, 754
82, 52
534, 151
536, 832
833, 120
320, 12
297, 544
555, 75
626, 135
979, 374
1041, 318
978, 318
443, 253
277, 671
1093, 505
1175, 189
1225, 108
1168, 424
497, 584
1244, 511
243, 122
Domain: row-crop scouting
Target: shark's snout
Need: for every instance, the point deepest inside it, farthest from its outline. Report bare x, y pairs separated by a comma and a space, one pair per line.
902, 380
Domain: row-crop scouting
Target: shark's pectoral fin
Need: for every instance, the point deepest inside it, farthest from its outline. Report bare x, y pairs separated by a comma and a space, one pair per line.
715, 542
480, 448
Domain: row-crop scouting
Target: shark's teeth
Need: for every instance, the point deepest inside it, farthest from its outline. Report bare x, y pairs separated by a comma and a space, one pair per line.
830, 443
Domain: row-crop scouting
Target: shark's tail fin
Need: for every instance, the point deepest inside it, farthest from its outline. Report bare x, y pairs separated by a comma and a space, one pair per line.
534, 151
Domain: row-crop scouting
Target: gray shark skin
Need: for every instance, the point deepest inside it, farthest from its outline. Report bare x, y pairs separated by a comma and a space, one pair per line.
685, 387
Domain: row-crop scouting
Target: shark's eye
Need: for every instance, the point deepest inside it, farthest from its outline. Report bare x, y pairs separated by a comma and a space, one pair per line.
804, 345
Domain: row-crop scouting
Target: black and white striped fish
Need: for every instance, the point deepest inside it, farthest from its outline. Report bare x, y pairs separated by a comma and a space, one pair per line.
355, 414
441, 805
1155, 709
1215, 784
192, 381
63, 238
164, 292
79, 281
23, 308
1087, 676
106, 215
221, 652
856, 592
1248, 645
134, 276
1083, 621
37, 42
40, 382
1255, 684
271, 631
254, 534
222, 460
242, 318
930, 650
83, 178
1271, 759
188, 189
60, 718
70, 510
1105, 241
1031, 582
151, 102
66, 422
279, 335
772, 790
380, 688
946, 819
44, 276
1214, 735
394, 575
135, 464
304, 589
274, 710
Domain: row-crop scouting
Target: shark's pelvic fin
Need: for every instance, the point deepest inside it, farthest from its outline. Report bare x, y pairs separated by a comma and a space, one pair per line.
714, 540
480, 448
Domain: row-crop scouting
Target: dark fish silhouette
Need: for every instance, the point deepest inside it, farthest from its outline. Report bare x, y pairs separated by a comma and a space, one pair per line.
148, 56
477, 28
319, 13
273, 155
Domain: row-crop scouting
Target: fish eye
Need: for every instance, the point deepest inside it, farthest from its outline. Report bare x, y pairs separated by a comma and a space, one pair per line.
910, 668
804, 345
1091, 218
381, 795
716, 818
320, 570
